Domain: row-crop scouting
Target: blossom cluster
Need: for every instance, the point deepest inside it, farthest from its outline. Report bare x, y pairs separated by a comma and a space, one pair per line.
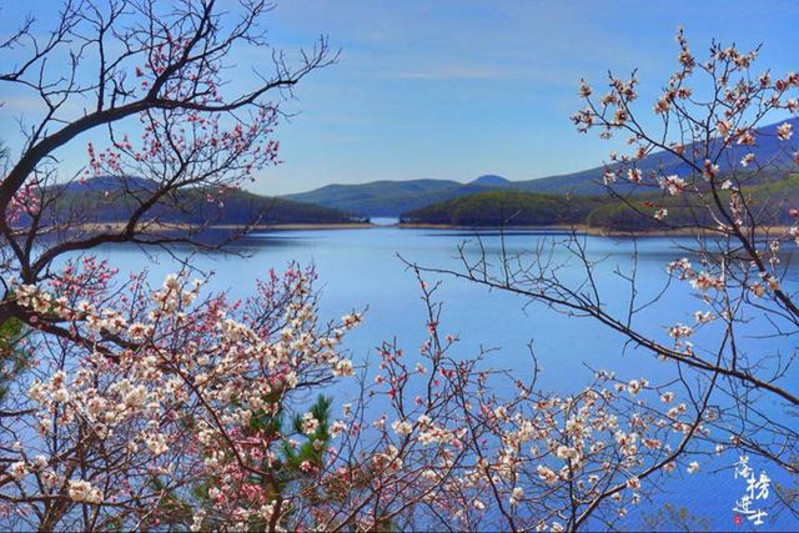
165, 384
742, 101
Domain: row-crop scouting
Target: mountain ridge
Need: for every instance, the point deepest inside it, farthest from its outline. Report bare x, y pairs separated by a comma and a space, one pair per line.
392, 198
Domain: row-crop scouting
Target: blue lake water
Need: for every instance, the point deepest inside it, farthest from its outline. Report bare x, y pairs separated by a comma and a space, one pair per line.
359, 269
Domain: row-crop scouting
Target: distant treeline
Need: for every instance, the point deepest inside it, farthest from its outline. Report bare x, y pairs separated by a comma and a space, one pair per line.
110, 199
770, 200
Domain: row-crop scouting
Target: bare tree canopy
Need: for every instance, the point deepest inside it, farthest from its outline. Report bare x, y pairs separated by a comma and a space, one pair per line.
158, 68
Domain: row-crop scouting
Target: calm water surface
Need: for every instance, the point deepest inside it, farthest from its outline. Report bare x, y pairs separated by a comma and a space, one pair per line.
360, 269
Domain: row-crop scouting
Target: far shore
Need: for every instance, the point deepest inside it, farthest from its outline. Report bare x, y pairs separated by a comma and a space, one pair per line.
576, 228
587, 230
166, 227
299, 227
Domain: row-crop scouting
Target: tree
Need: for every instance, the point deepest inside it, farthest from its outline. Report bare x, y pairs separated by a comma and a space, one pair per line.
143, 406
148, 67
741, 396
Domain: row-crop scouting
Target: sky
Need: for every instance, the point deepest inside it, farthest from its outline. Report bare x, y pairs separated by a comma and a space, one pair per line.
455, 89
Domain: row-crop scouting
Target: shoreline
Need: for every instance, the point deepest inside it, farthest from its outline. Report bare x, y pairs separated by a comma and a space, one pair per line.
575, 228
163, 227
586, 230
301, 227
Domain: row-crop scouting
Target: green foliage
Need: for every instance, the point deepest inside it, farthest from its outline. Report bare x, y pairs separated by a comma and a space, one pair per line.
12, 360
172, 506
770, 198
291, 463
313, 449
504, 208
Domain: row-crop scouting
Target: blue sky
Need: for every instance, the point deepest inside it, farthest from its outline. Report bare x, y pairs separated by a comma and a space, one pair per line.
454, 89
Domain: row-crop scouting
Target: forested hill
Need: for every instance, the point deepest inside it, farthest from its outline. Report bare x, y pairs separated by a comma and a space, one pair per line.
111, 199
505, 208
515, 208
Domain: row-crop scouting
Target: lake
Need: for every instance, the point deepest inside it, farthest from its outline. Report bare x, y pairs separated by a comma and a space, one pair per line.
359, 269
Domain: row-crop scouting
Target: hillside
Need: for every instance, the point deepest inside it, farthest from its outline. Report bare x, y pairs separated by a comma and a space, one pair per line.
497, 208
516, 208
768, 149
112, 199
771, 201
379, 198
391, 198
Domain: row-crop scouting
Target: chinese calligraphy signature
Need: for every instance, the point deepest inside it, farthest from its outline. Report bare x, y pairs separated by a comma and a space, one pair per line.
757, 491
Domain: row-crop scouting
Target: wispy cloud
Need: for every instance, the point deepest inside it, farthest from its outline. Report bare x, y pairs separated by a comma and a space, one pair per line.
449, 72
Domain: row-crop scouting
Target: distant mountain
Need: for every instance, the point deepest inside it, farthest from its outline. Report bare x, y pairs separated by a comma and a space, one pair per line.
491, 180
392, 198
769, 150
108, 184
113, 198
387, 198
